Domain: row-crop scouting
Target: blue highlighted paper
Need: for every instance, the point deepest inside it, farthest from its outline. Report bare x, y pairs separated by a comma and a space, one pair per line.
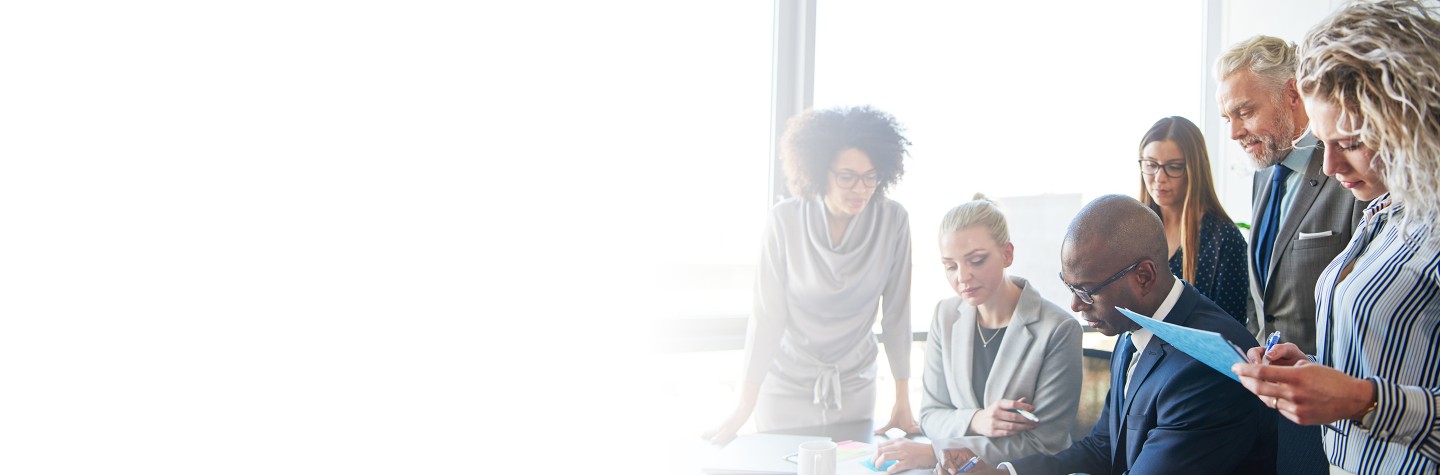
1205, 346
870, 464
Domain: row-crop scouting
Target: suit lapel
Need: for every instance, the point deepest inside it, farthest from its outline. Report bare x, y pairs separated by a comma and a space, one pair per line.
1258, 205
1012, 349
1155, 353
1304, 198
1117, 383
962, 337
1018, 338
1261, 194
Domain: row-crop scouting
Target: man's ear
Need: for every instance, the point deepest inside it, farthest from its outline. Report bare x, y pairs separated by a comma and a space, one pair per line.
1145, 275
1292, 94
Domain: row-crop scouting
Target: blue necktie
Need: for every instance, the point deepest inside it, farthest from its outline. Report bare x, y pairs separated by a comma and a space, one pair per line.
1127, 353
1269, 224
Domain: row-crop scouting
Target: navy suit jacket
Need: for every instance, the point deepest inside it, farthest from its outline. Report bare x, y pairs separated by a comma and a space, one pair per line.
1179, 416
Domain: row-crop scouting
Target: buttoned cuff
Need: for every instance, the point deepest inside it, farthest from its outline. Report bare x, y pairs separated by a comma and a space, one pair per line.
1401, 413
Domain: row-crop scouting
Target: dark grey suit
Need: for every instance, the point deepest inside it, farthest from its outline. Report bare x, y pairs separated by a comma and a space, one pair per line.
1302, 250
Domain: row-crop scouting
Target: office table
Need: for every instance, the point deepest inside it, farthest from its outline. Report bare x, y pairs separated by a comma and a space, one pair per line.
701, 451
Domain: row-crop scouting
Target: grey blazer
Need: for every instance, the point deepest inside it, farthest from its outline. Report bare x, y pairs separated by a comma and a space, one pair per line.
1039, 359
1319, 225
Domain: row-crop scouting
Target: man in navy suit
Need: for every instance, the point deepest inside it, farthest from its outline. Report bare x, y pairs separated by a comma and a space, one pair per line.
1166, 412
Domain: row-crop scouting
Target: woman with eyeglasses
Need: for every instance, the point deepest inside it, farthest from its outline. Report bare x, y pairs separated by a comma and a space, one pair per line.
832, 255
996, 348
1206, 249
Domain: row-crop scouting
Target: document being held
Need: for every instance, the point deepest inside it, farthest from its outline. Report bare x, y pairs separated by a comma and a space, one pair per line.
1205, 346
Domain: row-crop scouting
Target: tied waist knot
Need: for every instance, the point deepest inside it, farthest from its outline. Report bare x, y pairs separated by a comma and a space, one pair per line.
827, 387
830, 376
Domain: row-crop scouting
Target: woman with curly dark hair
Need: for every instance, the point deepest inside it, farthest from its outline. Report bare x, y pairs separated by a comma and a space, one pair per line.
833, 254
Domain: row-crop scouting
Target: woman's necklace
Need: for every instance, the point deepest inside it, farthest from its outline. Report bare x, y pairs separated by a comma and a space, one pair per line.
985, 342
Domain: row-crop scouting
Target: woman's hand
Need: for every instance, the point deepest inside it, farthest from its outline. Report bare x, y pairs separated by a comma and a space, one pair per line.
956, 459
725, 432
1001, 420
1306, 392
906, 453
901, 418
1284, 354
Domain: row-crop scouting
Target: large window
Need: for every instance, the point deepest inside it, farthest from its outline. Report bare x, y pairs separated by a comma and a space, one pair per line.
1038, 111
711, 196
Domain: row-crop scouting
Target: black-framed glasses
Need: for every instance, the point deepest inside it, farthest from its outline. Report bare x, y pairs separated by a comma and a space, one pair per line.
848, 180
1172, 170
1088, 296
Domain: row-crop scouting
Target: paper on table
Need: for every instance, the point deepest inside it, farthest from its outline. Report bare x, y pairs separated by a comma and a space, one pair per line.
1205, 346
758, 454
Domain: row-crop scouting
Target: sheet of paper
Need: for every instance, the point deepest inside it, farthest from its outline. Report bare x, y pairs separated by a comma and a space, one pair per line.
758, 454
1205, 346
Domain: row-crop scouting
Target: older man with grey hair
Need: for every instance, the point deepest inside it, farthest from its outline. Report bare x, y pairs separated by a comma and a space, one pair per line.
1302, 218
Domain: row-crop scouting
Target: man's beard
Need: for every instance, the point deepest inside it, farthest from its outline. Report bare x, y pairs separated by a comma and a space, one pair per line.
1273, 147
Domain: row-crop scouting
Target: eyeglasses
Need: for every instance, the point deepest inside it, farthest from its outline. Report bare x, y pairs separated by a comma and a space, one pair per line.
1172, 170
1088, 296
848, 180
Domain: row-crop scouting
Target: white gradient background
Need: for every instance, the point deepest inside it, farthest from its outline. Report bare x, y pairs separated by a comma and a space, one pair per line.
370, 237
315, 236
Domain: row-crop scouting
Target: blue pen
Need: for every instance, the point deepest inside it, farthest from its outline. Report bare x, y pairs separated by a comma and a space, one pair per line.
1265, 358
969, 465
1270, 343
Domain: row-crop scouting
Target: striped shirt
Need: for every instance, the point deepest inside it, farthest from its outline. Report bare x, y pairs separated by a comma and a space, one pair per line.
1382, 323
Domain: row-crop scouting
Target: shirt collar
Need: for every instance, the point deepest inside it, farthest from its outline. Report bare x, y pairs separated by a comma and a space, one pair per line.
1299, 157
1141, 337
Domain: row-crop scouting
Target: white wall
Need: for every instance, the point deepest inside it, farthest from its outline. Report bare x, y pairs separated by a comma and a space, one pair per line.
1037, 227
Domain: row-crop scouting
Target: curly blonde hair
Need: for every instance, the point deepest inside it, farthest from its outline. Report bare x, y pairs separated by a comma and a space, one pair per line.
1379, 64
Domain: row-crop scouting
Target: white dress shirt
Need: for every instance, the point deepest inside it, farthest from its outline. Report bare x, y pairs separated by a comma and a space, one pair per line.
1140, 338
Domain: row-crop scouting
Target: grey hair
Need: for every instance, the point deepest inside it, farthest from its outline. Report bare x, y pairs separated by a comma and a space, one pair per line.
979, 212
1270, 59
1379, 64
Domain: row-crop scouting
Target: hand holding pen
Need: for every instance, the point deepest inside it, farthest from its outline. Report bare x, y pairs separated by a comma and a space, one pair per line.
1004, 418
1270, 344
962, 460
1275, 353
1305, 392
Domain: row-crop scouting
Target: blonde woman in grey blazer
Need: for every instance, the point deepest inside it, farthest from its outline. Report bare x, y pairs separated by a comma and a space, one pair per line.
996, 347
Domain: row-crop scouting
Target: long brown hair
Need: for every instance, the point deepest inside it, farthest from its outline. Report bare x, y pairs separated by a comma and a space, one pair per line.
1199, 186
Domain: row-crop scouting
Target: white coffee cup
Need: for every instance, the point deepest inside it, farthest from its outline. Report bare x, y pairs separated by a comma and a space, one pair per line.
817, 457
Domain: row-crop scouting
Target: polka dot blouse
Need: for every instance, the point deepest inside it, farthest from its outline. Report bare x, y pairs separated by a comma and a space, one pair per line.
1221, 271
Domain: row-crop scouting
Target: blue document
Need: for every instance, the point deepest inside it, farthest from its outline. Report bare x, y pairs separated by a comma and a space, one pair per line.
1205, 346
